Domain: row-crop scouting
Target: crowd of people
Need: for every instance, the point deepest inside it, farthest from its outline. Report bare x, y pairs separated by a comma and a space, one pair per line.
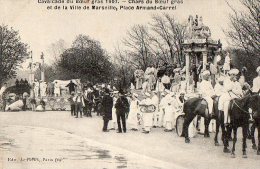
156, 97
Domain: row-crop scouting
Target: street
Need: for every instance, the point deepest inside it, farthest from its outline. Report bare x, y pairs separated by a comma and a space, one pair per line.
54, 139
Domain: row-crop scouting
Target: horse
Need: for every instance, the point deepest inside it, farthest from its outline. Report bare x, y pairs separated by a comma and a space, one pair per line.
239, 117
198, 106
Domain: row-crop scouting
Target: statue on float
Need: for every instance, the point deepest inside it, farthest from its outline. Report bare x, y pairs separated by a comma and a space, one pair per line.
196, 28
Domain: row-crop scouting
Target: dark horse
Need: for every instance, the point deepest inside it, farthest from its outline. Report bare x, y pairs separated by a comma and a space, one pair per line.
239, 117
238, 114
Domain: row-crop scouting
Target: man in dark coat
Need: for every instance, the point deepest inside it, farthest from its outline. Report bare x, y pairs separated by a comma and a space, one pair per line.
107, 105
71, 86
122, 108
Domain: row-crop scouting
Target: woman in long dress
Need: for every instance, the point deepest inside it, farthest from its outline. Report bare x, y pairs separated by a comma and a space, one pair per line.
113, 124
132, 119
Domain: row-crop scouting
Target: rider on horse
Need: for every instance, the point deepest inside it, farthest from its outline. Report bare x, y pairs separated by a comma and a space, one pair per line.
233, 90
207, 91
256, 81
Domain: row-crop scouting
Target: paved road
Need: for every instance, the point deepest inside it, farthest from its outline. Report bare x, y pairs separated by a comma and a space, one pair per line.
56, 140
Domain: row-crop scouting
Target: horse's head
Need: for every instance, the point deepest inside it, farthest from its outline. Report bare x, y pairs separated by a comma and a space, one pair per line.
254, 104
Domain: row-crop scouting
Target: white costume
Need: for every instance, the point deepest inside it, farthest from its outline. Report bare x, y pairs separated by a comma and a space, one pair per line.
159, 86
219, 89
139, 75
155, 101
113, 124
227, 63
43, 88
16, 106
206, 90
232, 90
146, 87
169, 117
36, 88
132, 116
147, 116
256, 82
56, 89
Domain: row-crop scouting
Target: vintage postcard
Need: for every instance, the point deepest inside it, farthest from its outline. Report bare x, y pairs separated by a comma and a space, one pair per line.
135, 84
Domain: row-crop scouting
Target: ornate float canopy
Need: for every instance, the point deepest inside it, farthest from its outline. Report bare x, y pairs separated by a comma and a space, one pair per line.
199, 37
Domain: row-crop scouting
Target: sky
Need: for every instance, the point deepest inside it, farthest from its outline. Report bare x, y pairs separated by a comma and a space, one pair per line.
39, 27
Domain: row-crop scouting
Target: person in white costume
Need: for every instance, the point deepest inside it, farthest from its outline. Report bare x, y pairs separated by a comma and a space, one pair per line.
146, 86
256, 82
132, 119
159, 86
56, 89
147, 116
169, 110
155, 101
160, 110
219, 87
43, 88
36, 88
226, 66
206, 90
139, 75
232, 90
113, 124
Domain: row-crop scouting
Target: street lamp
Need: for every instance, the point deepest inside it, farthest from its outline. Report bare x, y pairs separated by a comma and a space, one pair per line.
42, 67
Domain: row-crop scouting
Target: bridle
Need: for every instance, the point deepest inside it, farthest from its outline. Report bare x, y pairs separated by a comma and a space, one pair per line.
234, 102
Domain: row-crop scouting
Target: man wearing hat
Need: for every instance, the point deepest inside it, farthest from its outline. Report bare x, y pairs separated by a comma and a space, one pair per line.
79, 102
71, 100
107, 105
256, 82
232, 90
122, 108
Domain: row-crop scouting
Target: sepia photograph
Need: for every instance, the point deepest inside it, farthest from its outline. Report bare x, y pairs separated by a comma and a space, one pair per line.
129, 84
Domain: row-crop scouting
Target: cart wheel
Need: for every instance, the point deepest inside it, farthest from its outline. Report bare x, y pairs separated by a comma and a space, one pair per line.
179, 125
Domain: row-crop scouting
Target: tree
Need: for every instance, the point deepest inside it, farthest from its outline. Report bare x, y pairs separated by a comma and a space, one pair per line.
86, 60
168, 37
138, 43
56, 49
12, 52
244, 34
245, 27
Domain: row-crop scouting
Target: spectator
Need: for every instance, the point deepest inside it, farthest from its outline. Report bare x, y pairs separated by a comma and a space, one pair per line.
71, 86
107, 105
122, 108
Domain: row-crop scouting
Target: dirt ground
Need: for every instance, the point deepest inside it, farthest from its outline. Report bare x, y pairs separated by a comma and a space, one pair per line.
57, 140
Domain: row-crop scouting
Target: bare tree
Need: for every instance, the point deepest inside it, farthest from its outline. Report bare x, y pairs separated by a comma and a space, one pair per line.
245, 27
168, 37
138, 46
56, 49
